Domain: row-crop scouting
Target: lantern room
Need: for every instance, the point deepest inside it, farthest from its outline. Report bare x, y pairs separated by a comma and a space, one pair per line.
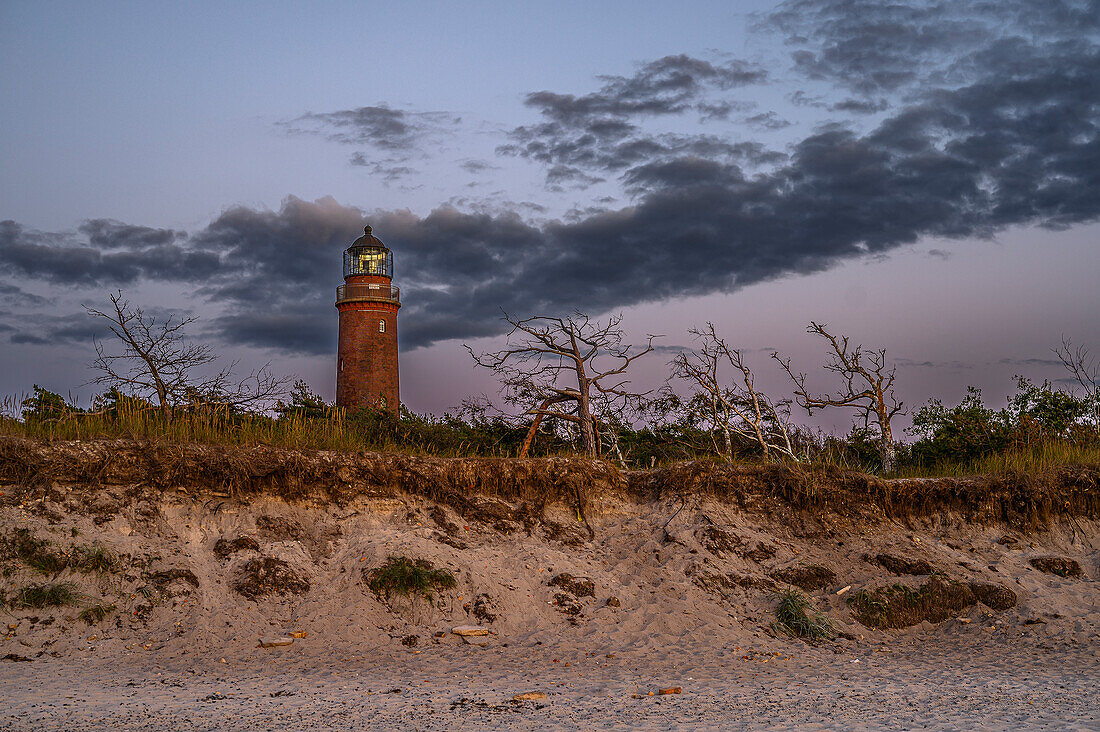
368, 256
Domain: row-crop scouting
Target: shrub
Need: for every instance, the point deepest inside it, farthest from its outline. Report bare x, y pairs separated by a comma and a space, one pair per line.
405, 576
792, 618
900, 606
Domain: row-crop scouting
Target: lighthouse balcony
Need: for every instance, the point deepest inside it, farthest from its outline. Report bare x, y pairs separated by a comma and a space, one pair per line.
368, 292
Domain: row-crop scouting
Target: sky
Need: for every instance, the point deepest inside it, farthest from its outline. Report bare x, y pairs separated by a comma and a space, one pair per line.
921, 176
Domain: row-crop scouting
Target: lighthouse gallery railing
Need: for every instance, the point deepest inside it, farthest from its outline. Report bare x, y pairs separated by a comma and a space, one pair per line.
361, 291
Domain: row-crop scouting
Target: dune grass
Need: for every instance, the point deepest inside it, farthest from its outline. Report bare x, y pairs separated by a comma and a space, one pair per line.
1036, 458
795, 616
93, 558
94, 614
36, 553
46, 595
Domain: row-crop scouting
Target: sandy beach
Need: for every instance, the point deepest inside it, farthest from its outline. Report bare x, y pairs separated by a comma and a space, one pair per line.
256, 612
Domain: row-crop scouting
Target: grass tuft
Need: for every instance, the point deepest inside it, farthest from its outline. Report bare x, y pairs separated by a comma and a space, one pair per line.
405, 576
795, 616
36, 553
95, 613
46, 595
94, 558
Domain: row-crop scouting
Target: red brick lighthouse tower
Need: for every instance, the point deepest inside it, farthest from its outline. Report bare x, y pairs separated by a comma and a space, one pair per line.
366, 369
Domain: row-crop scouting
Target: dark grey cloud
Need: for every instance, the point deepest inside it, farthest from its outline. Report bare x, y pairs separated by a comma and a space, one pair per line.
477, 166
380, 126
875, 47
584, 137
398, 135
14, 295
388, 171
55, 330
109, 252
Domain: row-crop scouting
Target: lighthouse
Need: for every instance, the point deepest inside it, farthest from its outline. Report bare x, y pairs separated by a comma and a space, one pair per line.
366, 367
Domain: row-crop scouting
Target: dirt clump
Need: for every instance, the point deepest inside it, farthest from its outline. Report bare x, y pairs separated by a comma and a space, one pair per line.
265, 576
1061, 566
279, 528
761, 553
482, 608
568, 604
900, 606
809, 577
993, 596
720, 584
576, 586
164, 578
449, 540
568, 535
223, 547
439, 516
718, 541
901, 565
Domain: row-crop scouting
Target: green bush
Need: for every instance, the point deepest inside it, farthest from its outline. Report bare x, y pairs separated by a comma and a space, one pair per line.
405, 576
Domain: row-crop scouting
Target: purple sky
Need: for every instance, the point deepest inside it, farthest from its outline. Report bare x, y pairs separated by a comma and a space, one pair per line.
924, 177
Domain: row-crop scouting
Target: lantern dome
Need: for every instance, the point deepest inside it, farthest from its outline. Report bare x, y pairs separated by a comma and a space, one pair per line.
367, 255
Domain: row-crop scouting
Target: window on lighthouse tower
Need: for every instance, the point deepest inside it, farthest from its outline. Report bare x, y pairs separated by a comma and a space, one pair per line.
381, 326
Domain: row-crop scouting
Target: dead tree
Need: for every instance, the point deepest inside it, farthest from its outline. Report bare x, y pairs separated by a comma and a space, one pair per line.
868, 388
732, 406
159, 364
1086, 371
555, 368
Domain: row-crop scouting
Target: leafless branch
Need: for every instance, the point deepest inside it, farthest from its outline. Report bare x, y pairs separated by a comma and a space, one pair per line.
553, 368
157, 362
868, 386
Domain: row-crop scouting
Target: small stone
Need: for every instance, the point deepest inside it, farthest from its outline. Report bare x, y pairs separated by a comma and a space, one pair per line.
669, 690
614, 602
469, 630
529, 696
275, 642
298, 634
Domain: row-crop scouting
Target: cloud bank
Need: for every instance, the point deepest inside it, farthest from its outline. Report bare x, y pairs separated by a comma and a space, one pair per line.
989, 118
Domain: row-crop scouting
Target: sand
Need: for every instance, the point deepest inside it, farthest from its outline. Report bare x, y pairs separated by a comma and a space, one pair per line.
683, 595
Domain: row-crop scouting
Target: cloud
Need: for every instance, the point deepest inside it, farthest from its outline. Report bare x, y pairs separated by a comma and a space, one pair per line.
477, 166
109, 253
387, 171
879, 48
584, 137
380, 126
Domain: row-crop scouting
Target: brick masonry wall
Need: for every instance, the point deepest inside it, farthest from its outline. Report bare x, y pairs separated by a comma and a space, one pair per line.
366, 367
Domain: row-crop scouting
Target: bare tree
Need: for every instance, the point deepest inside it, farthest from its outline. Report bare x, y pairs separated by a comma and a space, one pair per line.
868, 388
566, 369
732, 406
158, 363
1085, 369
